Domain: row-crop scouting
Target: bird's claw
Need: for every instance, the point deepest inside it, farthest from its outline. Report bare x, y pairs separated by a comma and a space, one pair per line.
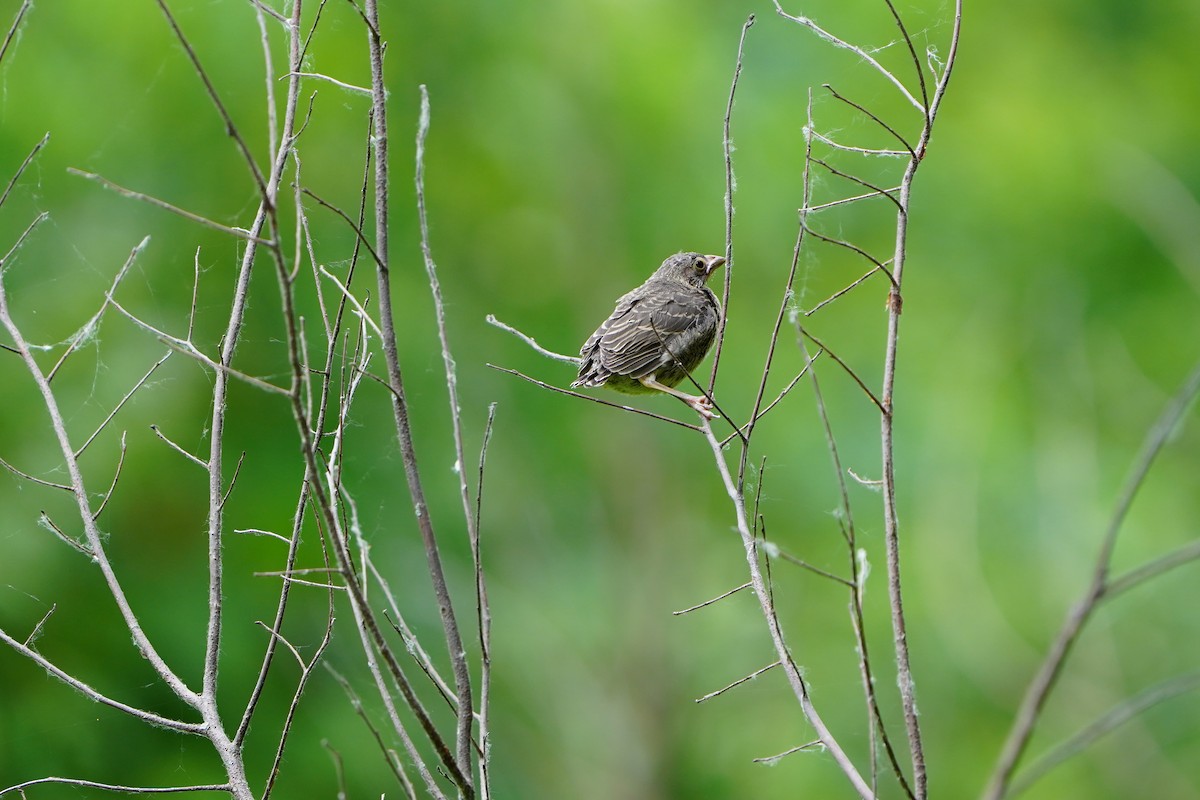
703, 407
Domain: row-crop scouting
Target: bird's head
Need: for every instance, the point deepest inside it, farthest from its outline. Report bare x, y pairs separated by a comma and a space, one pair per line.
690, 268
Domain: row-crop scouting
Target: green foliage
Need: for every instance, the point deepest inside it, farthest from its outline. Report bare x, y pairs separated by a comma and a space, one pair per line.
573, 146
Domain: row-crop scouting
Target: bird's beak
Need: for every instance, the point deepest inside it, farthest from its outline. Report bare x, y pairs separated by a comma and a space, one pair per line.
713, 262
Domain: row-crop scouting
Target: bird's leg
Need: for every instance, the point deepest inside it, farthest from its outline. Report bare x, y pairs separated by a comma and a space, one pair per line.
701, 404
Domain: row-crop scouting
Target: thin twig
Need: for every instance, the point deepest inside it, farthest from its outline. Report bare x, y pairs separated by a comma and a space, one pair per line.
357, 704
775, 551
706, 603
483, 614
1047, 676
121, 404
49, 524
458, 656
92, 534
875, 190
12, 29
795, 679
340, 84
89, 327
738, 682
37, 148
265, 192
730, 187
1112, 720
112, 487
771, 760
355, 227
191, 351
117, 787
840, 292
912, 51
876, 119
20, 473
240, 233
87, 691
857, 580
858, 51
853, 199
29, 229
866, 151
529, 340
845, 367
1152, 569
602, 402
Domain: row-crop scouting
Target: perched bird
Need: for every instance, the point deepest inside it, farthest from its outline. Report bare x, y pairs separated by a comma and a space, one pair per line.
658, 333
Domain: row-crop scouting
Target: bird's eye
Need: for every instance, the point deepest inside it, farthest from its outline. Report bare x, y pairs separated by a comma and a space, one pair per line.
699, 264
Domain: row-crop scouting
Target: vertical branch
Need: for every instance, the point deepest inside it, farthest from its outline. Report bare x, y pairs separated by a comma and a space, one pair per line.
458, 658
730, 186
858, 579
891, 521
485, 622
454, 645
890, 516
280, 150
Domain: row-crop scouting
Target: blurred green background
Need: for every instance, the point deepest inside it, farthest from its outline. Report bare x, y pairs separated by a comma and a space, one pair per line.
1050, 311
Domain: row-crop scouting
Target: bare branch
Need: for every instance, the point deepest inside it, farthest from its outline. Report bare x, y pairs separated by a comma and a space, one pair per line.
89, 327
49, 524
484, 621
1152, 569
458, 655
190, 350
38, 220
775, 551
858, 51
845, 367
1116, 717
112, 487
875, 190
87, 691
738, 682
33, 478
866, 151
730, 187
340, 84
529, 340
602, 402
848, 200
388, 756
795, 678
195, 460
37, 148
121, 404
876, 119
807, 746
240, 233
357, 228
1047, 676
12, 29
840, 292
95, 541
706, 603
116, 787
231, 130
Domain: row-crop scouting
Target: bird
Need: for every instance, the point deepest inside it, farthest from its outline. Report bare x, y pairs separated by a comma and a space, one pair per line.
658, 333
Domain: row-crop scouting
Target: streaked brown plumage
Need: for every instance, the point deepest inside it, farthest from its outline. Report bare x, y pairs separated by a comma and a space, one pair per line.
658, 333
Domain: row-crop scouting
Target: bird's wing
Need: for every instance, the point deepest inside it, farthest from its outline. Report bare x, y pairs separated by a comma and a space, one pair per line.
644, 331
